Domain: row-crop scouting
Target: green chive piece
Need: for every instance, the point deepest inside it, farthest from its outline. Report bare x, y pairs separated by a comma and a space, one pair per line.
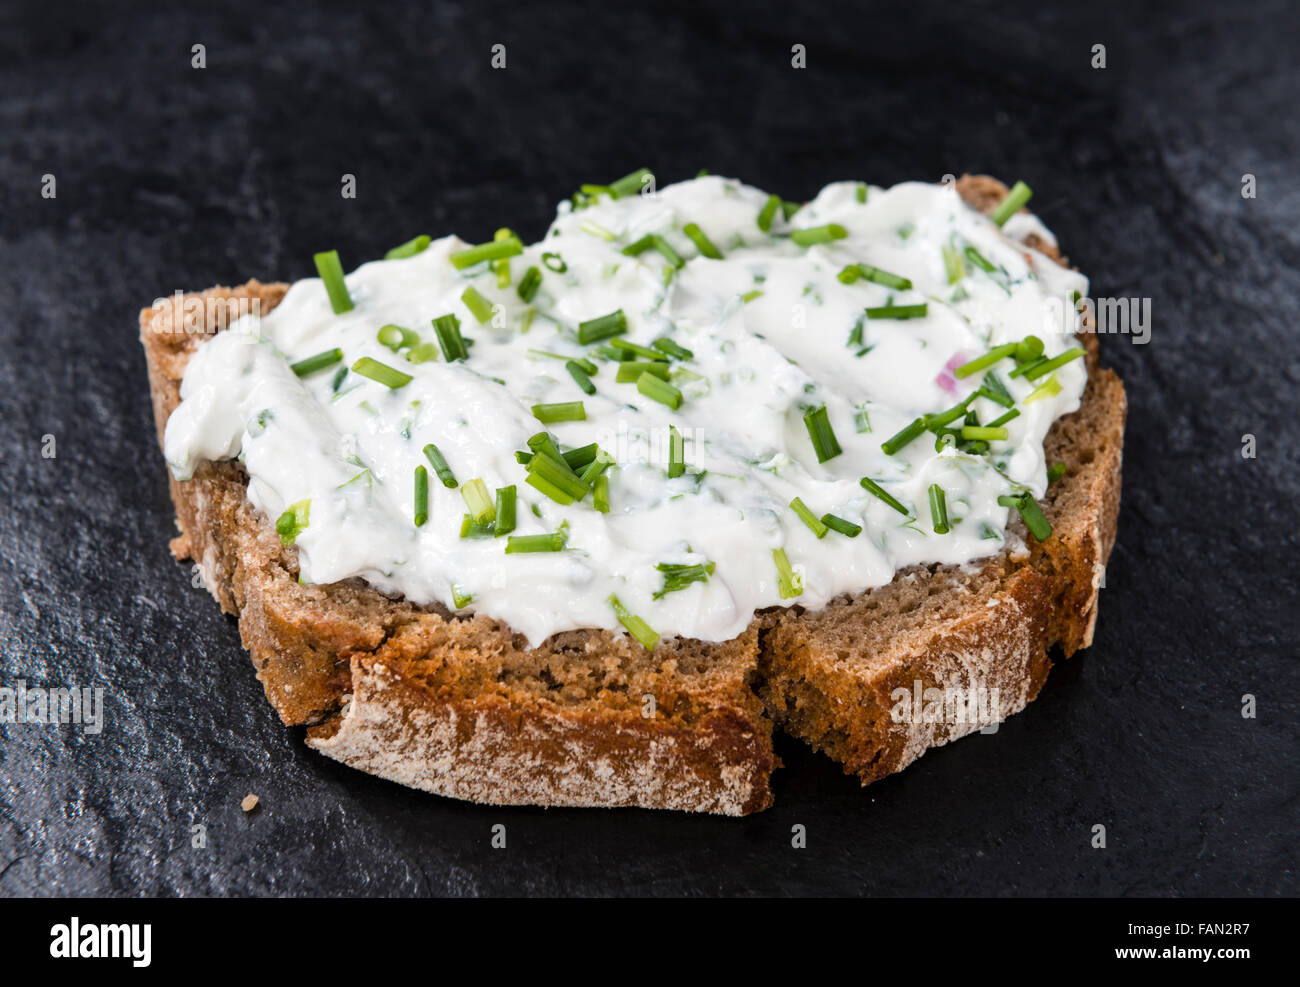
678, 576
596, 468
1048, 388
478, 306
529, 283
579, 376
449, 338
847, 528
505, 508
439, 464
819, 234
469, 528
1046, 367
905, 435
543, 443
293, 521
980, 261
705, 245
659, 390
871, 486
630, 184
898, 311
860, 193
1003, 419
600, 493
554, 262
318, 362
631, 370
381, 372
395, 337
1020, 194
459, 599
768, 211
987, 360
560, 411
635, 626
555, 479
497, 249
1005, 400
330, 270
594, 330
409, 249
876, 275
422, 353
1024, 368
952, 264
749, 296
666, 251
818, 422
636, 349
676, 453
421, 496
938, 509
577, 458
519, 544
994, 384
475, 494
788, 581
849, 274
936, 422
1029, 350
665, 345
815, 524
1030, 513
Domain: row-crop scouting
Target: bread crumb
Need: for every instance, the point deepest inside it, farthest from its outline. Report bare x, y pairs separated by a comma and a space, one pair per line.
249, 803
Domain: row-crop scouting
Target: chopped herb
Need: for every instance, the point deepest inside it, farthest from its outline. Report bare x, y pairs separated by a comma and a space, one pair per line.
818, 423
579, 376
898, 311
1048, 388
847, 528
452, 342
1029, 513
505, 508
381, 372
875, 275
631, 370
788, 581
987, 360
422, 353
475, 494
478, 306
498, 249
577, 458
395, 337
469, 528
594, 330
600, 493
905, 435
293, 521
982, 433
631, 184
952, 264
330, 270
637, 627
459, 600
938, 509
665, 345
1047, 366
440, 466
1020, 194
678, 576
819, 234
659, 390
421, 496
676, 453
815, 524
702, 242
409, 249
560, 411
768, 211
519, 544
872, 487
1003, 419
318, 362
554, 262
529, 283
637, 349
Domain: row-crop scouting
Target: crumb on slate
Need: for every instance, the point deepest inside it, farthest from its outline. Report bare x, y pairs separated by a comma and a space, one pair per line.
249, 803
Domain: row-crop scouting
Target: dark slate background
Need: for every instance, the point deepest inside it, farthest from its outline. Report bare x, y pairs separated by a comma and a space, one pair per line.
173, 178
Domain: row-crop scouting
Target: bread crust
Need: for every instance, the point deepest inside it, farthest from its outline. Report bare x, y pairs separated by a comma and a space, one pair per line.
462, 707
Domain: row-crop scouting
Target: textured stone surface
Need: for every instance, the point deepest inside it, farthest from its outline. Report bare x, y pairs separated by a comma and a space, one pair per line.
171, 178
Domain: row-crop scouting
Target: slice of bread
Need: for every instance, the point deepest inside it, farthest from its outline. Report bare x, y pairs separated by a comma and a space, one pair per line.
461, 706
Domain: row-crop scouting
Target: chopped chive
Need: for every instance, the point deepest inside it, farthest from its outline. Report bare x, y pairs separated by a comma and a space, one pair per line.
637, 349
705, 245
849, 274
293, 521
518, 544
676, 453
409, 249
677, 576
876, 275
768, 211
630, 184
439, 464
544, 444
819, 234
818, 423
635, 626
581, 456
1055, 472
665, 345
523, 458
330, 270
861, 420
1030, 513
898, 311
1003, 419
545, 486
1005, 400
661, 245
1024, 368
460, 600
478, 306
788, 582
600, 493
469, 528
422, 353
938, 509
529, 283
594, 330
631, 370
815, 524
952, 264
497, 249
560, 411
475, 494
871, 486
847, 528
659, 390
1047, 389
381, 372
505, 508
980, 261
935, 422
1020, 194
994, 384
579, 376
550, 477
1029, 349
554, 262
903, 436
860, 193
421, 495
452, 342
789, 208
987, 360
596, 468
318, 362
749, 296
1047, 366
395, 337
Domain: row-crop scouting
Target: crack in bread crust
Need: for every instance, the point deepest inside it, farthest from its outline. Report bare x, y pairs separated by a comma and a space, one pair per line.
461, 706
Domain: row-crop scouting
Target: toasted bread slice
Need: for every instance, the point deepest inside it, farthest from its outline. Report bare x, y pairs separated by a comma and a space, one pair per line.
461, 706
